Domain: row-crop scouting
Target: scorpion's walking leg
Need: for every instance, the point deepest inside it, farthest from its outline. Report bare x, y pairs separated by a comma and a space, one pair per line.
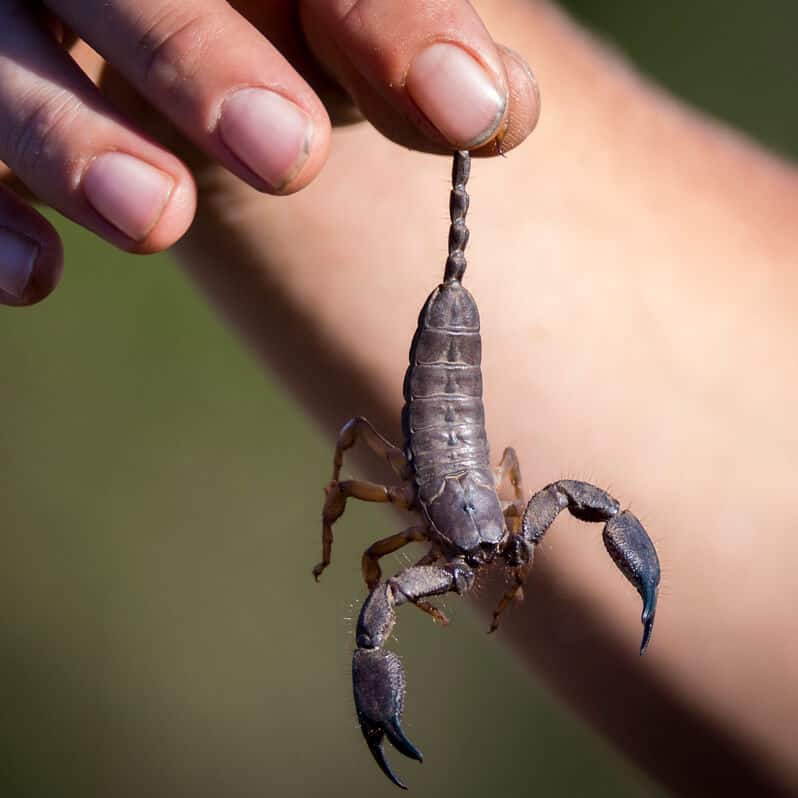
336, 494
515, 592
518, 554
376, 551
624, 537
372, 573
510, 467
378, 677
359, 428
430, 558
517, 551
355, 429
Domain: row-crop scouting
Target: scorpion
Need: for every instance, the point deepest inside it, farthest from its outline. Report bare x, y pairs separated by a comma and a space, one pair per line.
448, 482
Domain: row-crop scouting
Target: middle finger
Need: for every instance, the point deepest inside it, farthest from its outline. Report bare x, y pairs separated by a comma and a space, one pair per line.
217, 78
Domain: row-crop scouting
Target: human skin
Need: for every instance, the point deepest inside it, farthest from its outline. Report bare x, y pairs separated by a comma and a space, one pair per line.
634, 268
251, 85
638, 325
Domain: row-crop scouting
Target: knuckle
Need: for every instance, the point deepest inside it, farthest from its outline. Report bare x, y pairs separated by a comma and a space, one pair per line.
42, 136
174, 49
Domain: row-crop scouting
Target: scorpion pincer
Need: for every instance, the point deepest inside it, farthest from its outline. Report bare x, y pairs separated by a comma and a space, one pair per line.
448, 482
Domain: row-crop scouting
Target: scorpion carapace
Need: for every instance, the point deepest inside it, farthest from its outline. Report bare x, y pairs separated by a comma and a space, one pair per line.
448, 482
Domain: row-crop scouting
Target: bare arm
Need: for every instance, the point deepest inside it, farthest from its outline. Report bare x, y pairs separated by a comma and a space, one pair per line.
635, 270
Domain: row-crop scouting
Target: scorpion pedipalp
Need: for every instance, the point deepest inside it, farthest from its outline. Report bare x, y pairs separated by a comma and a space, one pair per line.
378, 680
633, 552
625, 539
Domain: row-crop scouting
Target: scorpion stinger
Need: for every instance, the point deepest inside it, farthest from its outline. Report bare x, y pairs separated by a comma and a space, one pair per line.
448, 483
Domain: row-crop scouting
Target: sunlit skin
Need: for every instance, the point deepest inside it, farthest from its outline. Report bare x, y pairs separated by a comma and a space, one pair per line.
627, 299
634, 266
249, 86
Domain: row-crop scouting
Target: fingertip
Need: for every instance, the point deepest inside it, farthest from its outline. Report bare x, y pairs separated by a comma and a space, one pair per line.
31, 259
47, 271
282, 141
523, 107
463, 100
428, 76
319, 147
146, 199
175, 219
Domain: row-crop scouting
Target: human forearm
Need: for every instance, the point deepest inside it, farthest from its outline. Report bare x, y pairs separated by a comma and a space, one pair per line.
634, 269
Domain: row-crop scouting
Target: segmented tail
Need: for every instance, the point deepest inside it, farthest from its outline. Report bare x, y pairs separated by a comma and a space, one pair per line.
458, 207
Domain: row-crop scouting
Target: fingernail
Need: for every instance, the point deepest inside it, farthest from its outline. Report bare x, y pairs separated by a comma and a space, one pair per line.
268, 133
127, 192
18, 254
456, 94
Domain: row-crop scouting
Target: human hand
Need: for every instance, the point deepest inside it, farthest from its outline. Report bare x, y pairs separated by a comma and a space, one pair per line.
246, 85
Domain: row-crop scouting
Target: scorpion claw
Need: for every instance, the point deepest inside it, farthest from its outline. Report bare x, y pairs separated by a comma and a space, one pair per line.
378, 681
374, 739
397, 736
374, 742
647, 618
633, 552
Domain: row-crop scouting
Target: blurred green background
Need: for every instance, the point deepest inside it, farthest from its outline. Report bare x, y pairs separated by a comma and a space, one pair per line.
161, 633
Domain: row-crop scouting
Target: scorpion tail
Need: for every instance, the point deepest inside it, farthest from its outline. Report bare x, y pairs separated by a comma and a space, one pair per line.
458, 207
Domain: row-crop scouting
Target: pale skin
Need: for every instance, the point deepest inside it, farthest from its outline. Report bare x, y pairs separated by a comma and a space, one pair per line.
635, 271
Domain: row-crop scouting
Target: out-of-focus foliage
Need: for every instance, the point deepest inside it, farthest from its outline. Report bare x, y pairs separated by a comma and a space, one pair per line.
161, 634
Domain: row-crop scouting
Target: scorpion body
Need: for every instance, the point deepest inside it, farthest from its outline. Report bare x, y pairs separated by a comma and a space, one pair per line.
448, 481
443, 419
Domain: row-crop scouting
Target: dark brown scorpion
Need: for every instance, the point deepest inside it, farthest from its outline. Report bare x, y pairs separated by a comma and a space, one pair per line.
448, 481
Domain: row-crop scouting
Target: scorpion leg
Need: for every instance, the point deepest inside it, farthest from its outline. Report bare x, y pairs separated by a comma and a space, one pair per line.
510, 466
624, 536
359, 428
371, 568
355, 429
518, 554
513, 512
372, 555
514, 593
432, 556
378, 678
336, 494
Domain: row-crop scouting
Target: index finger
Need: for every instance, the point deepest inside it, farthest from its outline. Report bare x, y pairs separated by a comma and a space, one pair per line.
427, 75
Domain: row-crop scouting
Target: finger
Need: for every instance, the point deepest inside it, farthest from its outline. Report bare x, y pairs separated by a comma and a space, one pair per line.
71, 149
428, 75
31, 257
217, 79
523, 110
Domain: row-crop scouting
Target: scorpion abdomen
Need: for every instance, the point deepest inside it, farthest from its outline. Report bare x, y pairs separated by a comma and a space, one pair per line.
444, 421
443, 418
